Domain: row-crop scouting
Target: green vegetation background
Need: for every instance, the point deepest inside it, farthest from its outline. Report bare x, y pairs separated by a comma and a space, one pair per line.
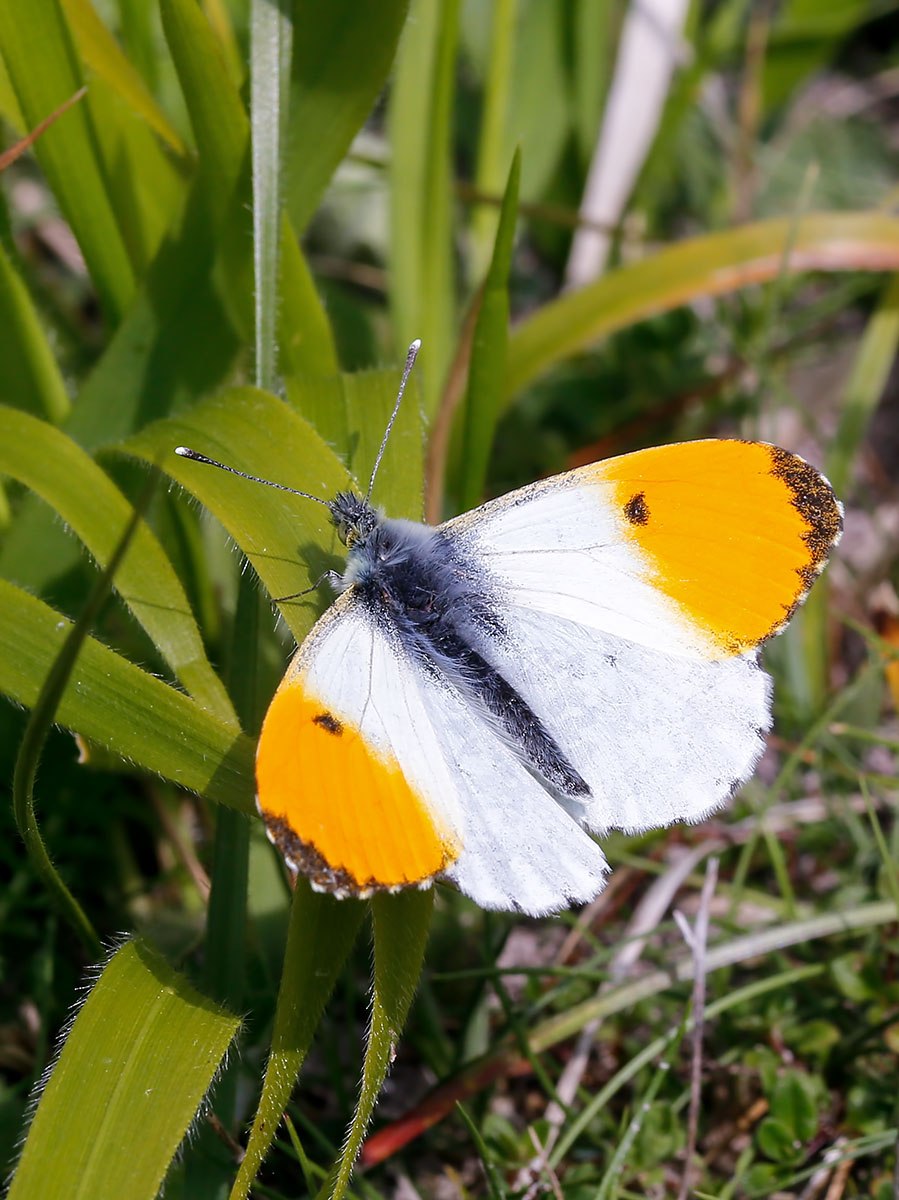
228, 241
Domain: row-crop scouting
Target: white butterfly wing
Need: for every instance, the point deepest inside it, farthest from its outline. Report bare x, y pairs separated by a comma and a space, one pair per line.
374, 773
631, 595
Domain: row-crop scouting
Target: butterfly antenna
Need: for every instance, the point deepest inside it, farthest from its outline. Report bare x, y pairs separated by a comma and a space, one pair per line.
196, 456
411, 355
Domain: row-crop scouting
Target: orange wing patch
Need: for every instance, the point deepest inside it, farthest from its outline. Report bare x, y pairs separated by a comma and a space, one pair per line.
339, 811
735, 533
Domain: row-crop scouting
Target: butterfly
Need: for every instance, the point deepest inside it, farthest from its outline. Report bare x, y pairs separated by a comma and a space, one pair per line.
577, 656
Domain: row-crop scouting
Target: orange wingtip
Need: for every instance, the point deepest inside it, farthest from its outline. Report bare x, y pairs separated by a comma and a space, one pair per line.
342, 813
735, 533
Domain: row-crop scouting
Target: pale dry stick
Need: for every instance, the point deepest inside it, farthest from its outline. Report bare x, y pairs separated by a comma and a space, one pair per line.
818, 1186
548, 1174
646, 919
697, 940
650, 46
840, 1179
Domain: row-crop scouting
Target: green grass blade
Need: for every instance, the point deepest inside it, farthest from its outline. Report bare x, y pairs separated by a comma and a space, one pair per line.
41, 719
177, 341
401, 924
141, 1055
222, 131
30, 378
116, 704
102, 53
487, 369
270, 45
422, 290
805, 656
712, 265
864, 388
321, 933
491, 165
343, 52
305, 337
60, 472
43, 65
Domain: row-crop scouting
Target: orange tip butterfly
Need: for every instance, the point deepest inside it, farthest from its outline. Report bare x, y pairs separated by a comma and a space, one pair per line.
577, 656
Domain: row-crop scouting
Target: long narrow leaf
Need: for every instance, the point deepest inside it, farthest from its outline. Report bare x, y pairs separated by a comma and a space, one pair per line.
401, 925
30, 378
422, 290
141, 1055
43, 65
488, 356
343, 53
711, 265
60, 472
116, 704
321, 933
41, 719
222, 130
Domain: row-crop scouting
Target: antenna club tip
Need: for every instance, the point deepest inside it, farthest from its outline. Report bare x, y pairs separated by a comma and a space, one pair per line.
184, 451
415, 346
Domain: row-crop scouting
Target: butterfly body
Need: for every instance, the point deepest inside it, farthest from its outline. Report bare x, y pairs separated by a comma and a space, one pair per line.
436, 605
580, 655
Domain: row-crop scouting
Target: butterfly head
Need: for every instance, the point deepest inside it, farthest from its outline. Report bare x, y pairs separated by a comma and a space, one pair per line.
353, 518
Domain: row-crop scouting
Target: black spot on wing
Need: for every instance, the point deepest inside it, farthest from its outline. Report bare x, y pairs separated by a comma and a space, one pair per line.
328, 722
637, 510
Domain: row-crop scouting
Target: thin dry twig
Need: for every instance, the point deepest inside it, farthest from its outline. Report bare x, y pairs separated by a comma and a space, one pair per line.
9, 156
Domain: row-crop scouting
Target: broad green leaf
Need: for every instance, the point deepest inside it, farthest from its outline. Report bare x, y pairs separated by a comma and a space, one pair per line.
321, 933
289, 540
30, 378
711, 265
343, 51
116, 704
422, 288
43, 66
793, 1103
132, 1073
101, 52
63, 475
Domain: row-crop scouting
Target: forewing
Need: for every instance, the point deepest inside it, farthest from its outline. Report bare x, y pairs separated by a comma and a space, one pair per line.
701, 548
630, 597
